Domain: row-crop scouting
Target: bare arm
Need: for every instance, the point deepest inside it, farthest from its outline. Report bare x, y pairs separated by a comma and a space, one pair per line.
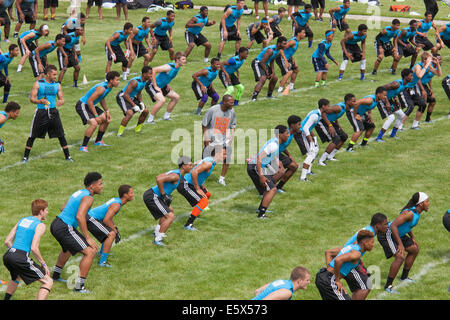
39, 231
112, 211
10, 238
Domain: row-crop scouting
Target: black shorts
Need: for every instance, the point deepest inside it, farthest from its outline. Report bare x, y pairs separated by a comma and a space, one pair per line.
139, 49
188, 191
411, 97
118, 52
50, 4
71, 60
97, 228
258, 71
19, 264
405, 51
316, 3
68, 237
98, 3
446, 86
384, 110
46, 121
359, 125
163, 42
320, 64
446, 221
325, 283
430, 98
427, 44
285, 160
354, 50
389, 244
309, 33
232, 34
157, 207
341, 25
358, 279
233, 78
3, 81
152, 91
446, 42
282, 65
4, 15
257, 36
124, 104
35, 65
276, 30
28, 14
294, 2
198, 39
198, 91
388, 48
85, 113
253, 174
325, 136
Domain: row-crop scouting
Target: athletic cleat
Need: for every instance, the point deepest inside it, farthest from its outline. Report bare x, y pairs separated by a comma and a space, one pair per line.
222, 182
84, 149
305, 180
190, 228
332, 159
262, 216
431, 121
379, 140
69, 159
151, 122
280, 191
25, 160
416, 128
167, 119
391, 290
409, 280
374, 73
101, 144
267, 211
159, 243
311, 173
323, 164
60, 280
363, 77
104, 264
340, 77
82, 290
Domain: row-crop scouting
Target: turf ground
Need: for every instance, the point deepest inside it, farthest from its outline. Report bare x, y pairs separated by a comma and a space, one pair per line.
233, 253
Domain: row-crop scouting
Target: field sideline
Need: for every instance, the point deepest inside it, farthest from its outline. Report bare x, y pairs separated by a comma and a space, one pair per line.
233, 253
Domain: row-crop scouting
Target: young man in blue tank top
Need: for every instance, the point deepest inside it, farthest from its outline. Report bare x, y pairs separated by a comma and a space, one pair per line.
318, 60
48, 95
351, 51
158, 199
65, 230
160, 28
100, 223
130, 100
5, 60
27, 42
423, 26
38, 58
26, 11
337, 17
11, 111
230, 26
24, 238
385, 46
140, 34
203, 85
114, 52
444, 35
399, 241
404, 43
90, 114
284, 289
193, 34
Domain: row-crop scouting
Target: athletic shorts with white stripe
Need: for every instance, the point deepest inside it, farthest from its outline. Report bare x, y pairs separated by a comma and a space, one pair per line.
358, 279
258, 71
384, 110
152, 92
35, 65
446, 86
198, 39
124, 104
19, 264
157, 207
389, 244
325, 136
188, 191
31, 46
139, 49
325, 283
282, 65
85, 112
320, 64
387, 47
232, 34
253, 174
118, 52
427, 44
71, 61
257, 36
359, 125
68, 237
340, 24
97, 228
198, 91
411, 97
233, 78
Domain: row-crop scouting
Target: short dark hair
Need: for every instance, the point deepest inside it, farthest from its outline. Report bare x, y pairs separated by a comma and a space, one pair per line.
345, 1
406, 72
91, 177
169, 12
299, 273
412, 22
145, 19
183, 160
111, 75
59, 36
12, 47
280, 129
281, 39
299, 29
124, 189
362, 27
127, 26
146, 69
308, 6
380, 89
226, 97
323, 102
242, 49
293, 119
50, 67
214, 60
68, 38
326, 32
364, 234
395, 21
377, 218
203, 8
12, 106
427, 13
179, 54
348, 97
281, 9
82, 15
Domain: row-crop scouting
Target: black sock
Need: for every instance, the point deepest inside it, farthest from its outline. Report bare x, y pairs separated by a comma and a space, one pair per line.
219, 55
26, 153
269, 93
255, 94
190, 220
7, 296
364, 142
56, 272
66, 152
389, 282
85, 141
404, 274
261, 210
428, 117
281, 184
99, 136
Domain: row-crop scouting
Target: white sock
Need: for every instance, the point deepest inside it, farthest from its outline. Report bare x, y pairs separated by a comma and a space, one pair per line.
324, 156
159, 236
128, 70
150, 118
415, 123
332, 154
157, 229
291, 86
167, 115
19, 68
304, 173
222, 178
280, 89
401, 127
309, 169
205, 60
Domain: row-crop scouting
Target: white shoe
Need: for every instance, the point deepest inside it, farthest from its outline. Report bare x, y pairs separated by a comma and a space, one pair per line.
280, 89
323, 164
332, 159
222, 182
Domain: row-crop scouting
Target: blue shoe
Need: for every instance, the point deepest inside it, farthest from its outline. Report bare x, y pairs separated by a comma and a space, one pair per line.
391, 290
280, 191
159, 243
340, 77
190, 228
60, 280
363, 77
84, 149
105, 264
25, 160
82, 290
350, 150
236, 102
311, 173
408, 280
379, 140
101, 144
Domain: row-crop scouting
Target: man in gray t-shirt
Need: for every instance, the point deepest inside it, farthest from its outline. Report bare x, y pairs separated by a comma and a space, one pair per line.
218, 126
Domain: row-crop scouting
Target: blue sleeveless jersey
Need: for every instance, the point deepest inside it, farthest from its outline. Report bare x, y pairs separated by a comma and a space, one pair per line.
164, 78
317, 54
407, 226
140, 85
48, 90
26, 228
69, 213
446, 33
6, 116
346, 267
100, 212
362, 109
275, 52
142, 33
206, 81
338, 15
317, 112
356, 38
44, 52
169, 187
5, 62
235, 64
269, 157
88, 94
275, 286
335, 116
74, 39
235, 14
389, 34
289, 52
36, 35
284, 145
122, 37
301, 17
428, 75
165, 26
201, 178
353, 239
425, 26
416, 79
409, 34
393, 93
200, 19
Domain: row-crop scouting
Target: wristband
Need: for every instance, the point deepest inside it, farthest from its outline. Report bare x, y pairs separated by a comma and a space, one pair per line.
330, 125
44, 265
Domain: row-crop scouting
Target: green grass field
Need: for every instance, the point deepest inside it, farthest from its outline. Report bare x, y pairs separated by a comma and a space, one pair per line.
233, 253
